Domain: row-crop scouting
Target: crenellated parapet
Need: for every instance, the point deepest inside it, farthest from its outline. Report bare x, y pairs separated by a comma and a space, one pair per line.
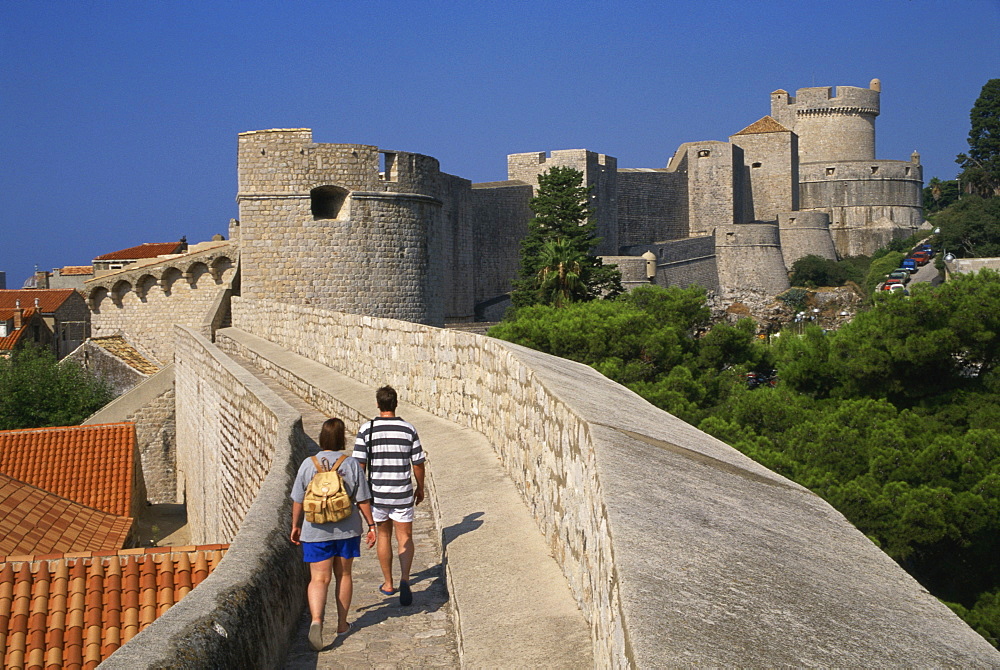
348, 226
831, 126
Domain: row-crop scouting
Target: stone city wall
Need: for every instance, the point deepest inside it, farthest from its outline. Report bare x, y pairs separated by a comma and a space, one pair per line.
750, 263
97, 360
150, 406
770, 165
652, 206
737, 566
478, 383
683, 262
804, 234
239, 447
150, 318
228, 426
458, 246
500, 216
714, 178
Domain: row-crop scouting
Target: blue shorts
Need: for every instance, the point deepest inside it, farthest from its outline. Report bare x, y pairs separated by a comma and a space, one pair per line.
314, 552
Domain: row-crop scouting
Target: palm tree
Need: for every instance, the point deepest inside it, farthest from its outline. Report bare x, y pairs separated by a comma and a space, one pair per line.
560, 280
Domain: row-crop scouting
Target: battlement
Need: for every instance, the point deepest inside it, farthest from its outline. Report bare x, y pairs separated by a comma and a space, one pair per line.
822, 100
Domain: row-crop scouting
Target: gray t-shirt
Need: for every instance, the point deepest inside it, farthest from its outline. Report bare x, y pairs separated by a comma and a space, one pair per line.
354, 482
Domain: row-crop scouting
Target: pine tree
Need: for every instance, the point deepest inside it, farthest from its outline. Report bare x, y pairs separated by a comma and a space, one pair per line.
981, 166
562, 231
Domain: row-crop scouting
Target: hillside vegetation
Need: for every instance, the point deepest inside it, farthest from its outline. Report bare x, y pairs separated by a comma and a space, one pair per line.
893, 419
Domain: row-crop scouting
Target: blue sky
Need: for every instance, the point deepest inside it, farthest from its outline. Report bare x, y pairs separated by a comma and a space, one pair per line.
119, 119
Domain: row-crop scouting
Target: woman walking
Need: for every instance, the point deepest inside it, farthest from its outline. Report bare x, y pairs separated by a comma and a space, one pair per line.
330, 548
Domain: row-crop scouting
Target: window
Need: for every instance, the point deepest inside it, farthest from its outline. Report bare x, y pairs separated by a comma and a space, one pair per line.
387, 166
327, 201
874, 169
830, 171
704, 153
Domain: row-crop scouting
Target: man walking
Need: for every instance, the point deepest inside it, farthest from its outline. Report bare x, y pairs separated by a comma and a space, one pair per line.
390, 451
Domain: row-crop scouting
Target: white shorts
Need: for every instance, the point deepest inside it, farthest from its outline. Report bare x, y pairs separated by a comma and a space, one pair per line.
401, 514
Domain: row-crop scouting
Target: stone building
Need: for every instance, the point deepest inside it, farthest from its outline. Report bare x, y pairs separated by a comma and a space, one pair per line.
360, 229
64, 311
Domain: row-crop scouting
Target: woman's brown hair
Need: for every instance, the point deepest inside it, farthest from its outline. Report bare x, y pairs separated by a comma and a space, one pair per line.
331, 436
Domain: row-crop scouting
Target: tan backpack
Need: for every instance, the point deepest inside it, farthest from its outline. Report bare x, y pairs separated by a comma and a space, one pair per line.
326, 500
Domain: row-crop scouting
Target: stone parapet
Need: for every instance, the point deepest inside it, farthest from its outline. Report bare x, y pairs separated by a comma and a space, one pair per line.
239, 447
737, 566
150, 406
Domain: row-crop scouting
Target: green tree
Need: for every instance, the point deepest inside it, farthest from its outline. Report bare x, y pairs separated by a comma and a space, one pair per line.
560, 279
970, 228
38, 391
813, 271
981, 166
563, 218
940, 194
879, 268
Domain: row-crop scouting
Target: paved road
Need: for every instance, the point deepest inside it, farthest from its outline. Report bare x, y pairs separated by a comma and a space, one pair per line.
385, 634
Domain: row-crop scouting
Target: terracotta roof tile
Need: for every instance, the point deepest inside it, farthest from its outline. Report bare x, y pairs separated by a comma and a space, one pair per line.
70, 270
145, 250
35, 521
91, 465
49, 299
10, 341
119, 347
74, 612
765, 125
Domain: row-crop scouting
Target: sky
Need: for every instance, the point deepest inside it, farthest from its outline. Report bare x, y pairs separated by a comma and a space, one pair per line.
119, 119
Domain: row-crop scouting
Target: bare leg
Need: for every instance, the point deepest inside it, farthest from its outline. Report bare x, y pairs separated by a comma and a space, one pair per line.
384, 551
345, 590
319, 583
404, 538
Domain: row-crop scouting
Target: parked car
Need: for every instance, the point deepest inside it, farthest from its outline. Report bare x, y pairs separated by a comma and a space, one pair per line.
891, 281
900, 273
895, 288
909, 264
921, 257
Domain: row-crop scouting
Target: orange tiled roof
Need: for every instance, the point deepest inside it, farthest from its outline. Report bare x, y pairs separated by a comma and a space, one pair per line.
75, 610
10, 341
117, 345
76, 270
92, 465
145, 250
765, 125
49, 299
34, 521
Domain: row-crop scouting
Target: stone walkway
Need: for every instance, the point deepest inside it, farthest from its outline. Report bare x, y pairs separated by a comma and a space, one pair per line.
385, 634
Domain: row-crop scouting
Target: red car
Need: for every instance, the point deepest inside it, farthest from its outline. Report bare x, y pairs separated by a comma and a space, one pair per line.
921, 257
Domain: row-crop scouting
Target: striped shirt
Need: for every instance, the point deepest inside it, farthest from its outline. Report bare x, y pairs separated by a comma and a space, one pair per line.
389, 453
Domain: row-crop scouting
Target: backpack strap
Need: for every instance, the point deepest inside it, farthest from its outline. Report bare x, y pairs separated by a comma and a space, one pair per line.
319, 466
368, 452
339, 461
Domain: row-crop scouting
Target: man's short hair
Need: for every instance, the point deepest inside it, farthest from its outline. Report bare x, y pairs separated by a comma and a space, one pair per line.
386, 399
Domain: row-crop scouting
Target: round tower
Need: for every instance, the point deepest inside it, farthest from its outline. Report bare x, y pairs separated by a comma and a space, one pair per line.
343, 226
805, 234
831, 127
748, 256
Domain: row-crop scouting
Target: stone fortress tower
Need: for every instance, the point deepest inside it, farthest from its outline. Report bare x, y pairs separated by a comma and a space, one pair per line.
343, 226
355, 228
869, 201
